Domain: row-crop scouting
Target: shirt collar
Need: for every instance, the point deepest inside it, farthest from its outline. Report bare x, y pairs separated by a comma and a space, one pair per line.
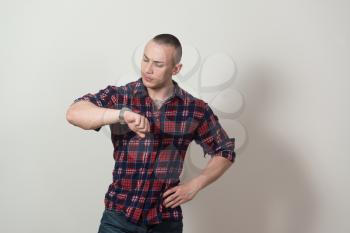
141, 90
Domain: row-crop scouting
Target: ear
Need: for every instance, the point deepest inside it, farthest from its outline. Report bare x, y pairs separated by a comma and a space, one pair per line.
177, 69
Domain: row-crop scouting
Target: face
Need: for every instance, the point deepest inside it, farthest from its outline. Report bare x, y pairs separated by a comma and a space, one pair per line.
157, 65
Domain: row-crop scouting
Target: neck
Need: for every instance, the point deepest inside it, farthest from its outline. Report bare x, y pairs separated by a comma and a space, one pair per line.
163, 92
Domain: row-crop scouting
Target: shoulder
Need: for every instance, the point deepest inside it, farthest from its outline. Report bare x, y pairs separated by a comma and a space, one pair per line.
122, 89
199, 105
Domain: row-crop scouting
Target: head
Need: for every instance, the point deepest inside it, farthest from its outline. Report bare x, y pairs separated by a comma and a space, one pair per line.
161, 60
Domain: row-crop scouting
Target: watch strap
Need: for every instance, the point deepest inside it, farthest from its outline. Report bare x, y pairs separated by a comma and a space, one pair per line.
121, 114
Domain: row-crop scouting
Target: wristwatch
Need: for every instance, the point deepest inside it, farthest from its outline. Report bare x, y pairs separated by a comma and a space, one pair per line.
121, 115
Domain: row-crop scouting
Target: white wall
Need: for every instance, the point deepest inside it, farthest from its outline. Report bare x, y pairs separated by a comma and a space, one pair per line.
291, 173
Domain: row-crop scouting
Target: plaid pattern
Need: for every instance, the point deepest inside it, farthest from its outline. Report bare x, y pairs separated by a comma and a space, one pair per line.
146, 167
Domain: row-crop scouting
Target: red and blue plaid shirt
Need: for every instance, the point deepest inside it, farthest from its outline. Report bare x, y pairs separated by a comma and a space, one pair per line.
146, 167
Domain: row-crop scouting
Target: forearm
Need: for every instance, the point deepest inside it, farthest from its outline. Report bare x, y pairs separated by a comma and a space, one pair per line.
216, 167
86, 115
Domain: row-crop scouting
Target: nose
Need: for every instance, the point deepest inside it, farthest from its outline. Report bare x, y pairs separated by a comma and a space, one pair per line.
148, 68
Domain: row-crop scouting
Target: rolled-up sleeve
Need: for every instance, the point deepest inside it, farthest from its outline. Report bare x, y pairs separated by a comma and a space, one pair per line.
213, 138
104, 98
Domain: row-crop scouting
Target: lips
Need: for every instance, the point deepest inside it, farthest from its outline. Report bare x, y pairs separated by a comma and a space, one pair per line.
147, 78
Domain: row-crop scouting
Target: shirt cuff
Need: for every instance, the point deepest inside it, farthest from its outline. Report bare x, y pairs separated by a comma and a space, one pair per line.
230, 155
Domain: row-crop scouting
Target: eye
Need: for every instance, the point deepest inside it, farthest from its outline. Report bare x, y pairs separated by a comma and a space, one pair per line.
159, 65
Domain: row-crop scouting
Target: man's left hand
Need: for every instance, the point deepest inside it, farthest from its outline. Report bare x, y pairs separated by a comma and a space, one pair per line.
180, 194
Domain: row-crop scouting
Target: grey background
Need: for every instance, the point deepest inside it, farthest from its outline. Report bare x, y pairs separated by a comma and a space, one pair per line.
292, 57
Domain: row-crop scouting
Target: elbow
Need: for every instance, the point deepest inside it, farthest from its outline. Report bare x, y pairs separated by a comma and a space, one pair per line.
72, 117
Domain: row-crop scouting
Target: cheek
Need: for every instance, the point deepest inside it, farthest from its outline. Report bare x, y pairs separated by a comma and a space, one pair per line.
157, 72
163, 71
142, 65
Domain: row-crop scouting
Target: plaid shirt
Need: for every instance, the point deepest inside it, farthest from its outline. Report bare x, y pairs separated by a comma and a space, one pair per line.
146, 167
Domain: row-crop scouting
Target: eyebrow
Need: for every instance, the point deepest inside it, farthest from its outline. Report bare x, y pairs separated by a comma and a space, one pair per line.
154, 61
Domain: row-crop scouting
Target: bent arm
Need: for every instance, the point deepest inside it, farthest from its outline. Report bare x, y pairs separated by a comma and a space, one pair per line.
180, 194
87, 115
215, 168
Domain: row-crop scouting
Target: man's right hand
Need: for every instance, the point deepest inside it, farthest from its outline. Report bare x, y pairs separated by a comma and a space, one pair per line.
137, 123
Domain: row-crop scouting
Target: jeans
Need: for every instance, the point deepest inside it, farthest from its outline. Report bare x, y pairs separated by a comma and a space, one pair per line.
113, 222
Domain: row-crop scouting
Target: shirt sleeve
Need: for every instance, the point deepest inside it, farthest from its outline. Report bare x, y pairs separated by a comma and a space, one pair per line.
104, 98
213, 138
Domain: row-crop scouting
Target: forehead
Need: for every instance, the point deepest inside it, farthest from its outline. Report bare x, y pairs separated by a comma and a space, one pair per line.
159, 52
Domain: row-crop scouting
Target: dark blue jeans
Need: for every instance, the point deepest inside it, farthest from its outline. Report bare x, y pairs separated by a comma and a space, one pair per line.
113, 222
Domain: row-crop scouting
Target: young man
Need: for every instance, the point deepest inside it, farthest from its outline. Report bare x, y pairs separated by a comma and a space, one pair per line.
152, 121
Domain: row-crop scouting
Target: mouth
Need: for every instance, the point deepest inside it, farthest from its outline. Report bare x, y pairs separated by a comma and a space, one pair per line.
148, 79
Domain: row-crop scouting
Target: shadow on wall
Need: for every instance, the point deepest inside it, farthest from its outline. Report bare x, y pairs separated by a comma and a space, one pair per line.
267, 189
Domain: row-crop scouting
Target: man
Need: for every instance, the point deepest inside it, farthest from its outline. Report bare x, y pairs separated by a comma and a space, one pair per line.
152, 121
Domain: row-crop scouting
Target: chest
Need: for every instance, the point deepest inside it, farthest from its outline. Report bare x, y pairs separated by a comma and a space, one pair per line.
171, 119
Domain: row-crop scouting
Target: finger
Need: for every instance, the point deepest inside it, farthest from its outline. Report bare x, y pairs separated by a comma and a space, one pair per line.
179, 202
173, 202
144, 119
137, 120
148, 126
142, 130
169, 191
145, 127
170, 198
142, 123
142, 135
